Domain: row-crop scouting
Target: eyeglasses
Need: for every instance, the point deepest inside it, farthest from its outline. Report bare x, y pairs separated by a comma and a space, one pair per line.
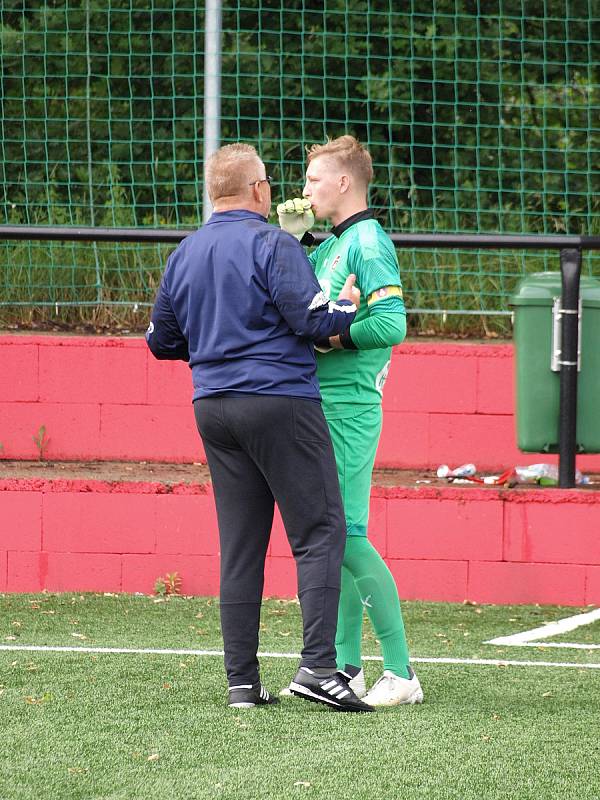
268, 179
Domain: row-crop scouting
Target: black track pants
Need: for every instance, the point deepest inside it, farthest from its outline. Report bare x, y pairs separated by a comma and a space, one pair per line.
263, 449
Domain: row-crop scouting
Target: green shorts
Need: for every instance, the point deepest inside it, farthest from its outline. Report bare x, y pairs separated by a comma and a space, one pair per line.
355, 439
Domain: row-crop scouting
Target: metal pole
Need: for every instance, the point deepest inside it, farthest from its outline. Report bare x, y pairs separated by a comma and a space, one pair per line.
212, 88
570, 270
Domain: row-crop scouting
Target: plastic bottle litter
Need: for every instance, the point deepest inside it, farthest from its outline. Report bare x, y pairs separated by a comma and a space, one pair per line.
545, 475
464, 471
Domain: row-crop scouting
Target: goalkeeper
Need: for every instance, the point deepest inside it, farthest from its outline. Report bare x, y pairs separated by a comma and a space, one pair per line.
352, 368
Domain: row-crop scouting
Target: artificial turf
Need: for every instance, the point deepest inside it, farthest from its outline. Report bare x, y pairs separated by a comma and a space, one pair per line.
128, 726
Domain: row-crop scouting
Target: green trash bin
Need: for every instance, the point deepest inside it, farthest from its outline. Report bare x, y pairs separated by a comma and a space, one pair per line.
537, 349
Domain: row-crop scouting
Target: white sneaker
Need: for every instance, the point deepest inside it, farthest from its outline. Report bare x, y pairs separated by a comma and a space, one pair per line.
391, 690
357, 684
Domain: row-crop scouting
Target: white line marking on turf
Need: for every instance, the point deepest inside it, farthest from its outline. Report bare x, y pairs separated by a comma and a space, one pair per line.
532, 637
492, 662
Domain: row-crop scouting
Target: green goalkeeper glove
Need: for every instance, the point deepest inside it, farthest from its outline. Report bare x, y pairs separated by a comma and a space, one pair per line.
296, 216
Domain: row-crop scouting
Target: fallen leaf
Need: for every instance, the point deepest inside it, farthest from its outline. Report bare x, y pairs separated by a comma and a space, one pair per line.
302, 783
153, 757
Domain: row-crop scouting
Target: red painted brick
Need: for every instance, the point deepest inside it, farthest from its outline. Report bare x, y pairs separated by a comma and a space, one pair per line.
199, 574
487, 440
588, 463
444, 529
280, 577
82, 374
3, 570
495, 385
169, 383
83, 572
515, 528
592, 585
430, 580
404, 440
505, 582
18, 372
21, 520
186, 524
378, 524
81, 522
566, 533
150, 433
26, 572
72, 431
431, 383
279, 545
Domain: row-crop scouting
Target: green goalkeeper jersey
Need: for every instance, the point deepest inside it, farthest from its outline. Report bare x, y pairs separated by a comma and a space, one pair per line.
356, 377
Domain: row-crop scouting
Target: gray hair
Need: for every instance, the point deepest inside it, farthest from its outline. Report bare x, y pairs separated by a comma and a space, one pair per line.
230, 170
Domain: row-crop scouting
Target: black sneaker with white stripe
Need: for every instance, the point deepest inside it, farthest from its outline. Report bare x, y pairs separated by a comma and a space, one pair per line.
331, 690
249, 695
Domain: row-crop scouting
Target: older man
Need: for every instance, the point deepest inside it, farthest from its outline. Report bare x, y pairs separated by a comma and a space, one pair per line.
240, 302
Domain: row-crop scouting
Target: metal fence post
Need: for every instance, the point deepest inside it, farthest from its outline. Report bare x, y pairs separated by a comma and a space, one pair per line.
212, 88
570, 270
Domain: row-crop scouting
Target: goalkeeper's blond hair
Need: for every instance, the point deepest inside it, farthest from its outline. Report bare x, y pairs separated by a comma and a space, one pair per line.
349, 153
230, 169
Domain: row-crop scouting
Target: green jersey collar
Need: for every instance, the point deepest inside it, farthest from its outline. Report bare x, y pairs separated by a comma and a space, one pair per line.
337, 230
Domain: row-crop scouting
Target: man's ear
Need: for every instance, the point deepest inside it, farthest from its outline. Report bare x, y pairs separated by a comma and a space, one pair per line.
256, 192
344, 183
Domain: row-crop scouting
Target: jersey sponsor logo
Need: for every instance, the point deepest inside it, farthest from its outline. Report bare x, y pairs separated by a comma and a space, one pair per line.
381, 294
335, 262
381, 376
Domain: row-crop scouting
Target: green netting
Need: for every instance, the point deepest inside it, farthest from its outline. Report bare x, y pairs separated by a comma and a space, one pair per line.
481, 117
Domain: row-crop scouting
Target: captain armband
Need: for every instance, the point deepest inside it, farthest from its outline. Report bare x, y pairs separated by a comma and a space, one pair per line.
384, 293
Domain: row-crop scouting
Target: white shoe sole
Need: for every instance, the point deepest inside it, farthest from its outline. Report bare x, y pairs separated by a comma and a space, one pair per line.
241, 705
414, 698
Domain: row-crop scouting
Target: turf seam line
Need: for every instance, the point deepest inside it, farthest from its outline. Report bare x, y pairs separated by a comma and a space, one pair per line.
494, 662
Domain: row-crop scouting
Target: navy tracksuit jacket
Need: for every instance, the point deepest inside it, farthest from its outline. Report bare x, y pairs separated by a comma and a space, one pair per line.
239, 300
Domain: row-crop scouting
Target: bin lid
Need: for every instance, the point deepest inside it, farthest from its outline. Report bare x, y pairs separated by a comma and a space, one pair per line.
540, 289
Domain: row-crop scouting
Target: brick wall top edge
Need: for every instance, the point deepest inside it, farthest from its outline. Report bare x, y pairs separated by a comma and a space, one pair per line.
553, 496
100, 487
50, 340
463, 349
409, 347
522, 495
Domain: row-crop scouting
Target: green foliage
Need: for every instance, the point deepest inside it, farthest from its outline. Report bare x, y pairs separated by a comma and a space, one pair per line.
476, 122
168, 584
41, 441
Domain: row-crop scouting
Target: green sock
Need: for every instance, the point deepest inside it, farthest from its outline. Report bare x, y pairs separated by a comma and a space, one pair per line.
349, 626
375, 585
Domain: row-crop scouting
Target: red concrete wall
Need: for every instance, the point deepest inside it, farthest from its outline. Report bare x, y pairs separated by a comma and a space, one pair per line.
108, 398
450, 544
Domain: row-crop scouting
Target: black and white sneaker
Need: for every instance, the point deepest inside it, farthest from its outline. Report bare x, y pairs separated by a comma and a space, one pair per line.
249, 695
331, 690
